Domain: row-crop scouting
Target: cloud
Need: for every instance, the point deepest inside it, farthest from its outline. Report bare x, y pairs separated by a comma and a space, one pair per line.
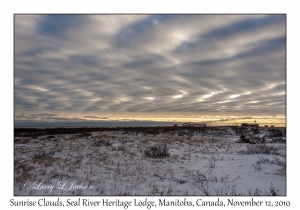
96, 117
127, 65
57, 25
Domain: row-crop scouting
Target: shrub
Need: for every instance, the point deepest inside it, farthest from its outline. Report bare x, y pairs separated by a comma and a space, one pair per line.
258, 192
248, 138
157, 151
102, 142
260, 149
276, 161
43, 154
211, 163
202, 180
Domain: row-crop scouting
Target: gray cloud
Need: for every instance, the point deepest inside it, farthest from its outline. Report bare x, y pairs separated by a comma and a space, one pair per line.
97, 64
95, 117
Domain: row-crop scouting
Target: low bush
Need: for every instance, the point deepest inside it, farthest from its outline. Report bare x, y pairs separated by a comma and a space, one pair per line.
211, 163
157, 151
260, 149
102, 142
276, 161
43, 154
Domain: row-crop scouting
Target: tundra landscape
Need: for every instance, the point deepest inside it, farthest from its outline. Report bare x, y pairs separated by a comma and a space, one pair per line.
96, 97
150, 161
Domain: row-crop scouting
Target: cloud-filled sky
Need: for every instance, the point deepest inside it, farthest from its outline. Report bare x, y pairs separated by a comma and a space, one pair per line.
100, 68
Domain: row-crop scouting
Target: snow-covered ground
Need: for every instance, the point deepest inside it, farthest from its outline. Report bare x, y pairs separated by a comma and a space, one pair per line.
207, 162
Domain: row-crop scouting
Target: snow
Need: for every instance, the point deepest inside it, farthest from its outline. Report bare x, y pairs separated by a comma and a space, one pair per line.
200, 163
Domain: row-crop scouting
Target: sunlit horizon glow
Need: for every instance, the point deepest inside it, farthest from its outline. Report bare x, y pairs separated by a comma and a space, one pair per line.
219, 69
210, 119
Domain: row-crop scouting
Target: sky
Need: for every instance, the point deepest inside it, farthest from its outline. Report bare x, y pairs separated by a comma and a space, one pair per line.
108, 69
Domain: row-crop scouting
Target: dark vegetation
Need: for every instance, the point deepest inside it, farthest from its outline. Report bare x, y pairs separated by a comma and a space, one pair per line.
180, 131
261, 149
157, 151
43, 154
252, 135
102, 142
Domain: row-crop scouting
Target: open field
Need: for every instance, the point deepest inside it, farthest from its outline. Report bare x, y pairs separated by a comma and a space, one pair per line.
150, 161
